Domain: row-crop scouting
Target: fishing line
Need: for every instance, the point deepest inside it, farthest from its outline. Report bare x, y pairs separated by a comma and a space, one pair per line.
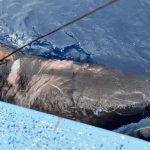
61, 27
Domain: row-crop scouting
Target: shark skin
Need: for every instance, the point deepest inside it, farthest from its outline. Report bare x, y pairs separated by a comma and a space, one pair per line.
87, 93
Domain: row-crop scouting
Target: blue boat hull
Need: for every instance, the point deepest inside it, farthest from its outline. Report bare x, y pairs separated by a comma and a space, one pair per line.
22, 128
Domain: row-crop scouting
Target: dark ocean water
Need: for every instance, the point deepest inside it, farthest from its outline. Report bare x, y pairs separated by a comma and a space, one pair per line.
117, 37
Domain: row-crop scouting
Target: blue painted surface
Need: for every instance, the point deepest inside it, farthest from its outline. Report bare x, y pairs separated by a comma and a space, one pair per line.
26, 129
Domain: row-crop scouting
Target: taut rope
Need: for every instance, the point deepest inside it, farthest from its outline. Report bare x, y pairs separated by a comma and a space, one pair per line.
61, 27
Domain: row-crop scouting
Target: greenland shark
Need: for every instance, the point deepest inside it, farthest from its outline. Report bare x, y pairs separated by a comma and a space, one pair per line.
91, 94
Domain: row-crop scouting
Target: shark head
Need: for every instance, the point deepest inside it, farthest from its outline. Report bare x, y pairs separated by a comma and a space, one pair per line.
9, 68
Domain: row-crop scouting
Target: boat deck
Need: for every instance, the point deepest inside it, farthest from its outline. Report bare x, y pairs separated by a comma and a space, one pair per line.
22, 128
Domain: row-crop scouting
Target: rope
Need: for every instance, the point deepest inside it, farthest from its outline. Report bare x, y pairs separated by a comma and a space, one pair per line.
61, 27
